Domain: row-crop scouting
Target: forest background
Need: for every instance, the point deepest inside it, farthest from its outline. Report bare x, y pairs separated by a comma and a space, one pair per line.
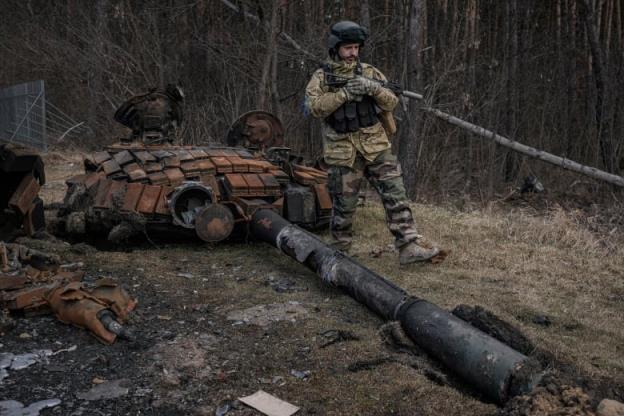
549, 74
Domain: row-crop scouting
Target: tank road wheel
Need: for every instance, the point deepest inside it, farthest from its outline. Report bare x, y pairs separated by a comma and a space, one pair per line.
214, 223
256, 130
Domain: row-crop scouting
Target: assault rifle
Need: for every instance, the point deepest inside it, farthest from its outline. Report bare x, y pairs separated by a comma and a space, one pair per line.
339, 81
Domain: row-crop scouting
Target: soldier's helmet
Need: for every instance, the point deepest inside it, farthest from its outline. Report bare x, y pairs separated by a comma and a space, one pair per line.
345, 31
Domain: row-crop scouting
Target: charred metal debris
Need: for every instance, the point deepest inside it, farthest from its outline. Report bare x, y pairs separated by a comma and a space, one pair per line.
21, 176
35, 282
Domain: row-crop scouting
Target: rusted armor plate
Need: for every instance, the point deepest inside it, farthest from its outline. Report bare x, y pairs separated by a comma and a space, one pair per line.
323, 198
256, 186
101, 157
175, 176
132, 196
124, 157
162, 208
239, 164
236, 184
149, 199
24, 195
222, 164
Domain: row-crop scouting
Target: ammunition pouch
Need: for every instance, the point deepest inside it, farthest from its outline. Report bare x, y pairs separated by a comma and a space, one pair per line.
353, 115
388, 122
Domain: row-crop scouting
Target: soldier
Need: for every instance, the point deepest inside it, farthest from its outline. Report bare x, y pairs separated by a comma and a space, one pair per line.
355, 144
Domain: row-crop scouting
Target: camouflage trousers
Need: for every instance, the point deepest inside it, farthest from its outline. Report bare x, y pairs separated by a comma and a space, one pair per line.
384, 174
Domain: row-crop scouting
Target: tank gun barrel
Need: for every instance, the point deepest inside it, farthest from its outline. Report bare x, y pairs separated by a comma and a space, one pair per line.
491, 367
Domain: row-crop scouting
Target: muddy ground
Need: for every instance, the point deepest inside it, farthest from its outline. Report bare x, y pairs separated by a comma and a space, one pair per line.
217, 322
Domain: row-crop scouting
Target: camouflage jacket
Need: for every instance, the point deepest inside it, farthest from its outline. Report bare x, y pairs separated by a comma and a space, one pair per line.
341, 149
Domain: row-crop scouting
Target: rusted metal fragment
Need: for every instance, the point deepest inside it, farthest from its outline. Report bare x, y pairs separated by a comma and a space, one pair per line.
31, 295
22, 199
132, 196
115, 297
73, 305
149, 199
27, 298
11, 282
34, 220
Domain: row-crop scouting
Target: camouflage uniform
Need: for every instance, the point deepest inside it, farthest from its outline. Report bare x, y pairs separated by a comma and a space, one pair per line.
362, 154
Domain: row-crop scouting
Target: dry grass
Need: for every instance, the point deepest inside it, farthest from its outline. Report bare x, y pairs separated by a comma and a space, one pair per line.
519, 265
59, 167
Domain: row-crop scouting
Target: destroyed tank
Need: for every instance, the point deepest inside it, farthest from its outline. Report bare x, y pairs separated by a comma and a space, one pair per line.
147, 184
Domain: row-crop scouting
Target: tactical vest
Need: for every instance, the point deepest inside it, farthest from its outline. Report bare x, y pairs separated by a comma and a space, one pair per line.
353, 115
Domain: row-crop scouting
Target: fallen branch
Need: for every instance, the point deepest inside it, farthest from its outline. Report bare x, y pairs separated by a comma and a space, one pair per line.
521, 148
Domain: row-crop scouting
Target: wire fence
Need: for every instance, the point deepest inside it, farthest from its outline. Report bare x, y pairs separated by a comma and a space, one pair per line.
28, 118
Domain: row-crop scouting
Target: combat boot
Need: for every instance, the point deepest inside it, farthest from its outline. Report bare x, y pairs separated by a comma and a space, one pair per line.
413, 253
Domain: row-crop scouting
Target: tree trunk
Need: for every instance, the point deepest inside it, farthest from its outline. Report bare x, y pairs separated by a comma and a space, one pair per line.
365, 14
600, 79
408, 144
271, 42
